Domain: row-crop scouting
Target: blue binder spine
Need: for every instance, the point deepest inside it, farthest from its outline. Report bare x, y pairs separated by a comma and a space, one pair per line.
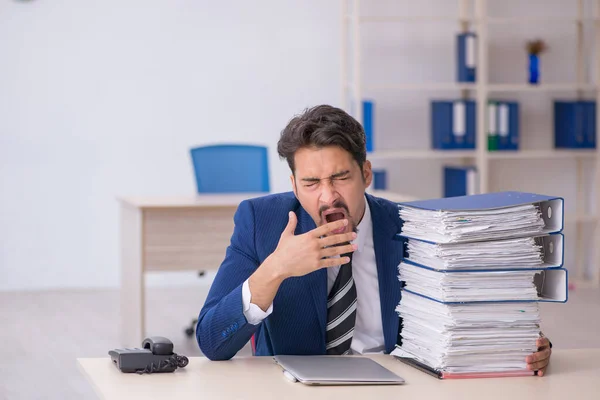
368, 119
471, 117
459, 124
492, 125
569, 125
580, 126
441, 125
552, 256
460, 181
514, 122
559, 124
453, 124
466, 57
551, 207
503, 126
380, 179
552, 286
508, 125
589, 140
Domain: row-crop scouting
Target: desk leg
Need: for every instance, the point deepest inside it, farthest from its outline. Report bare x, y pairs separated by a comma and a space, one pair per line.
132, 277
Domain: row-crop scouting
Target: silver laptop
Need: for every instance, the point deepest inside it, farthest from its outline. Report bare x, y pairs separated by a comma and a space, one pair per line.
336, 370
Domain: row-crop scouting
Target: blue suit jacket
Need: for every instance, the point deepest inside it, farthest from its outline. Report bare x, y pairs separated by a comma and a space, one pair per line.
297, 324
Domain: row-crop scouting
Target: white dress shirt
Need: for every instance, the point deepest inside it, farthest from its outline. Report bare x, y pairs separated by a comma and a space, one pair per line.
368, 328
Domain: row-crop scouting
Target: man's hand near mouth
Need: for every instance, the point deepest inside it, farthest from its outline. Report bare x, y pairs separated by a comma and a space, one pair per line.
298, 255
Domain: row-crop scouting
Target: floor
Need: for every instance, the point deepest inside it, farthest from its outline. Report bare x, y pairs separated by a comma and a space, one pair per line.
42, 333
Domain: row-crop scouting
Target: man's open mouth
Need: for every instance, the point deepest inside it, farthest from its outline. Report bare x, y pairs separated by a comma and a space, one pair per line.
332, 215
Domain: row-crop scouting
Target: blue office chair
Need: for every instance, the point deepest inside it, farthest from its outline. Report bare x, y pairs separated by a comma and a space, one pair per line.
229, 169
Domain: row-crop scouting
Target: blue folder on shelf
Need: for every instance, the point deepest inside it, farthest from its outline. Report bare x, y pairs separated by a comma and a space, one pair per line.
368, 118
453, 124
553, 246
460, 181
589, 124
508, 125
568, 133
575, 124
466, 57
380, 179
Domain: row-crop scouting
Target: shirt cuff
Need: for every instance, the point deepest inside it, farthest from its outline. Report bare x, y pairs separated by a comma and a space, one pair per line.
254, 315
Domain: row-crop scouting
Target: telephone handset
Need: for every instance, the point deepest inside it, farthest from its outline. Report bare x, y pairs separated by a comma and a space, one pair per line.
158, 345
156, 355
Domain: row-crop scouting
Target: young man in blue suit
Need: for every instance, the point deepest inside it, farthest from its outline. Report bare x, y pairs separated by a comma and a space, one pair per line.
313, 271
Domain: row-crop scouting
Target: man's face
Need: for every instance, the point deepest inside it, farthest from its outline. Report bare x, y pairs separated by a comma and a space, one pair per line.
330, 186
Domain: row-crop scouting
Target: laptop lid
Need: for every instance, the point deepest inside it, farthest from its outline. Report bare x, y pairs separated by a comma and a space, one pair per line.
337, 370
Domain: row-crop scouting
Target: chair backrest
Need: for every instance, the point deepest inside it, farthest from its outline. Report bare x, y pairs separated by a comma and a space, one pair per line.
231, 168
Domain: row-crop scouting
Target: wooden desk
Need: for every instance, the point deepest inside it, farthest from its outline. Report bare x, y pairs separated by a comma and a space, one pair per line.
174, 234
572, 374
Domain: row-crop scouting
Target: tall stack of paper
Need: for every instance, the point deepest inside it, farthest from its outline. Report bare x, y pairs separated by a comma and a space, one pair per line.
473, 272
470, 337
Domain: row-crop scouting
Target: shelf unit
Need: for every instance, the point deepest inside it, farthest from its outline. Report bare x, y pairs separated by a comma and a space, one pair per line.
417, 154
353, 87
467, 19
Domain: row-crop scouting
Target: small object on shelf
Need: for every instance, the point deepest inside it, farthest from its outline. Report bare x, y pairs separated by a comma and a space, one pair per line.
368, 119
465, 57
534, 49
453, 124
575, 124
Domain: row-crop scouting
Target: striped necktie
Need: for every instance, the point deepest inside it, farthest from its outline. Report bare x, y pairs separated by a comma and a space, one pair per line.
341, 311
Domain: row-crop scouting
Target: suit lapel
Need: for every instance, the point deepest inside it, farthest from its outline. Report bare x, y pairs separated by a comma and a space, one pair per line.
387, 257
316, 281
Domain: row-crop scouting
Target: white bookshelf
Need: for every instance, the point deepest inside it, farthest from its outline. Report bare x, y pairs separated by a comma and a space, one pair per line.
422, 86
412, 19
581, 218
543, 87
491, 88
478, 21
538, 20
421, 154
543, 154
490, 20
417, 154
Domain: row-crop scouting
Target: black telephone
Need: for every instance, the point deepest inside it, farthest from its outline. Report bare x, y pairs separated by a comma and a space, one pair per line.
156, 355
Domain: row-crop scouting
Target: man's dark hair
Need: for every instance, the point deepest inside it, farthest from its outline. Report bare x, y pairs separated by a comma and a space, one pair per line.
319, 127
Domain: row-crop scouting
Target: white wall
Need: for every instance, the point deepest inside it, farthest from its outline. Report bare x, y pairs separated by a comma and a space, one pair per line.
104, 98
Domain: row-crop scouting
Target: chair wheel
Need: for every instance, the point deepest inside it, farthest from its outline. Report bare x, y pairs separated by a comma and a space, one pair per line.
189, 332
